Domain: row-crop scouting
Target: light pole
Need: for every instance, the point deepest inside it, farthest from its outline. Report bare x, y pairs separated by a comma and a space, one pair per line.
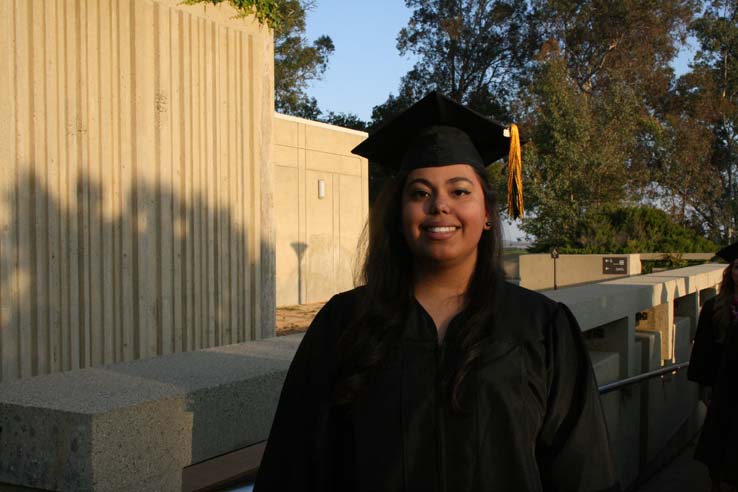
555, 256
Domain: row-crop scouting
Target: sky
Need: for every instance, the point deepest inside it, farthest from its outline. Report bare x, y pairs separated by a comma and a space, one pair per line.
366, 66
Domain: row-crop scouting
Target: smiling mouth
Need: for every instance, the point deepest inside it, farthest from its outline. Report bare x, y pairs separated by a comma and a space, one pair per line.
441, 229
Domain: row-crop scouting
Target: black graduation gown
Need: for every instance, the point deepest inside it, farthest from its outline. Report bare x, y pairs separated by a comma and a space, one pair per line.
714, 363
532, 420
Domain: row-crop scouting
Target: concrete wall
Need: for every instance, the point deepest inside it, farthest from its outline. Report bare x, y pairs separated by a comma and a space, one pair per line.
536, 271
661, 416
134, 426
135, 192
316, 238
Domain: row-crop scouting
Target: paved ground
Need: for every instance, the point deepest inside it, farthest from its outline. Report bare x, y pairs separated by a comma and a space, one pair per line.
684, 474
681, 475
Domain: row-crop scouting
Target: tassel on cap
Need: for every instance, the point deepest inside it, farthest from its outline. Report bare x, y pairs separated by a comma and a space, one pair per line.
514, 175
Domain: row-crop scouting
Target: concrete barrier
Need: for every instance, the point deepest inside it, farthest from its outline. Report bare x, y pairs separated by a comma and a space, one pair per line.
538, 271
607, 312
136, 425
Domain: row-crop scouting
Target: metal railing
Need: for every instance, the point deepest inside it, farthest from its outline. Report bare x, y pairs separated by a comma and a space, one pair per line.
616, 385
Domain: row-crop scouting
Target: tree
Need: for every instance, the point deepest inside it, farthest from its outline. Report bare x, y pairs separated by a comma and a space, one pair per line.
699, 163
346, 120
595, 87
606, 42
266, 11
639, 229
575, 161
471, 50
296, 61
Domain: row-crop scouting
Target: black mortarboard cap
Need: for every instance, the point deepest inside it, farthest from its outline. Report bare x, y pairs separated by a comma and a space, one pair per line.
436, 131
728, 253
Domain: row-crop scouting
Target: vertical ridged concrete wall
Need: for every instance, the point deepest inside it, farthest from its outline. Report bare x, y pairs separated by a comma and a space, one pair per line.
135, 190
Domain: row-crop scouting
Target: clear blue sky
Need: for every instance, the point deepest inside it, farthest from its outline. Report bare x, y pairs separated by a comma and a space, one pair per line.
366, 66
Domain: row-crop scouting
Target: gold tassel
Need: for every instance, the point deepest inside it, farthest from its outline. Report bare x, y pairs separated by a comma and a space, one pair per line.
514, 175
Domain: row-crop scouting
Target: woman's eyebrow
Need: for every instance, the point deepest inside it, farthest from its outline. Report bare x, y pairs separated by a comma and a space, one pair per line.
449, 181
460, 178
421, 181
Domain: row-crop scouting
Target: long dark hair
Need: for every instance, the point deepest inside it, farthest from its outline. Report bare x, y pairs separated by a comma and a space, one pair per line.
387, 274
721, 310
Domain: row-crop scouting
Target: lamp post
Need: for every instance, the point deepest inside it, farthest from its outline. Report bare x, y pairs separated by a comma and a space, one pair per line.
555, 256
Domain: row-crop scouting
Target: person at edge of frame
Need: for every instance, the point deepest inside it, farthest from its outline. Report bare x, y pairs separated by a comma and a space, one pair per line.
436, 374
714, 365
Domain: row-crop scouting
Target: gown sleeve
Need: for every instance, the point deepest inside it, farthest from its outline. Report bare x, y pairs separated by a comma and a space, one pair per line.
573, 450
288, 460
703, 362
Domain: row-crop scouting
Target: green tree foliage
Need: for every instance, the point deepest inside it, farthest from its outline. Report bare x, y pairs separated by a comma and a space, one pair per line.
346, 120
266, 11
696, 164
471, 50
595, 85
605, 42
576, 160
297, 61
613, 229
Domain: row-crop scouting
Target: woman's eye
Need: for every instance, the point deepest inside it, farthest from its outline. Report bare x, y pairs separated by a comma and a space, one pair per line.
461, 192
419, 194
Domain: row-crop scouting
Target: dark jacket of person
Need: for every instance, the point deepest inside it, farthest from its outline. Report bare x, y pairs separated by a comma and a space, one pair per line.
531, 417
714, 363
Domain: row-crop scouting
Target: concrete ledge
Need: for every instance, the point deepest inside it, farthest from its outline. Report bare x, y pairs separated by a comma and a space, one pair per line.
601, 303
136, 425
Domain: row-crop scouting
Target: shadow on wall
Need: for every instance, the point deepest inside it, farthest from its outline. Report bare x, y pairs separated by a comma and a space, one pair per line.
299, 248
93, 273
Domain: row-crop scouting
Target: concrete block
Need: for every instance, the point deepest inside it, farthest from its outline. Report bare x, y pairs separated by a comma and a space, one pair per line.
651, 349
627, 436
134, 426
605, 365
657, 319
615, 337
669, 400
607, 369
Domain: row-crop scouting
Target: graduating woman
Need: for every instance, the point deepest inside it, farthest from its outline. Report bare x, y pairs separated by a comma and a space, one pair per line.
436, 374
714, 364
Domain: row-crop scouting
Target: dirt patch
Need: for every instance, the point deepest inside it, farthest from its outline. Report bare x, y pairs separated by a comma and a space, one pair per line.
296, 319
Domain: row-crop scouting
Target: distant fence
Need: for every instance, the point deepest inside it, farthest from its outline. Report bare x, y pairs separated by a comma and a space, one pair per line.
135, 192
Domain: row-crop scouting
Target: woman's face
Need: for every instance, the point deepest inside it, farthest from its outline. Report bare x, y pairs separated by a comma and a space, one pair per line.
443, 214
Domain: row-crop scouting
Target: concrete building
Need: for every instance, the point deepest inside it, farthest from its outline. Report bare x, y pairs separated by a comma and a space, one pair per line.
151, 201
321, 204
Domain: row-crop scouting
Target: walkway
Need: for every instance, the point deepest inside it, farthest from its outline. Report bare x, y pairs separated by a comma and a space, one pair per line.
683, 474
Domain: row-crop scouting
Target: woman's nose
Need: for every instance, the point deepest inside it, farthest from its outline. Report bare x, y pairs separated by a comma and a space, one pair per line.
439, 206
